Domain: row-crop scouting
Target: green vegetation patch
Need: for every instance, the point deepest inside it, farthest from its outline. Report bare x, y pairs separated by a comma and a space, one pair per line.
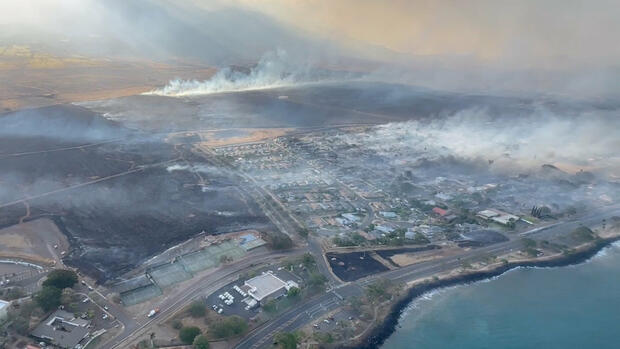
584, 234
228, 327
61, 278
188, 334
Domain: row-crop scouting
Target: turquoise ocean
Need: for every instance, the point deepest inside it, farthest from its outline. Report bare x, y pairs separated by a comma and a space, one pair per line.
576, 306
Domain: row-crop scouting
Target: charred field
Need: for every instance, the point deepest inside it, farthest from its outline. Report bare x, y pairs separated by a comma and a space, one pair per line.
120, 195
313, 105
122, 179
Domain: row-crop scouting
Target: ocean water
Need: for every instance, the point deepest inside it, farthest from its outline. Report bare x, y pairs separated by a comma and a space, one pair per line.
569, 307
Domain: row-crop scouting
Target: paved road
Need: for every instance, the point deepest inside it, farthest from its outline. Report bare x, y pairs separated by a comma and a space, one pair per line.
281, 217
303, 314
314, 247
201, 287
300, 315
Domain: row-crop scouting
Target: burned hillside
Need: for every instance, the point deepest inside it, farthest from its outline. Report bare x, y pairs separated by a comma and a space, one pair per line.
118, 194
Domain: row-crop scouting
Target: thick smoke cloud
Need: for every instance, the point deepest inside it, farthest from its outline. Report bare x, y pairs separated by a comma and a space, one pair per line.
210, 32
273, 70
551, 47
587, 141
64, 124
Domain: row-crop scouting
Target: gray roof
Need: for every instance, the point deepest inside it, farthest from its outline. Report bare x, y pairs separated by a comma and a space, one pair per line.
265, 285
62, 329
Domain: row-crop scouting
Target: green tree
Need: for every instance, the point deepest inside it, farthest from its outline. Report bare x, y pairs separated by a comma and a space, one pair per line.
528, 243
316, 280
48, 298
20, 324
61, 278
292, 292
280, 241
201, 342
379, 290
66, 296
187, 334
14, 293
419, 238
197, 309
270, 306
324, 338
177, 324
307, 260
287, 340
356, 304
358, 239
229, 327
584, 234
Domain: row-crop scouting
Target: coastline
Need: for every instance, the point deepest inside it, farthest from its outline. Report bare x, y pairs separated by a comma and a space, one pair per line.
381, 331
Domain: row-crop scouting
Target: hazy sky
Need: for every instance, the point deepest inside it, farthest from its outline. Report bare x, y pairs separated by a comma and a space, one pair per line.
524, 32
440, 40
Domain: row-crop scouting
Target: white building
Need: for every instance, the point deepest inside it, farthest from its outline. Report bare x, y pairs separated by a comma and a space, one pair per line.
388, 214
350, 217
4, 309
267, 285
497, 216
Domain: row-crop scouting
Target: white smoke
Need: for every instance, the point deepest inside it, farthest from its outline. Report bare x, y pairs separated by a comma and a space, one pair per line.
274, 70
586, 141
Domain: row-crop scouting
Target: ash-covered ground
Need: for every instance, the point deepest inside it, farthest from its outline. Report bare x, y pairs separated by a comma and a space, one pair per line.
120, 195
310, 105
124, 181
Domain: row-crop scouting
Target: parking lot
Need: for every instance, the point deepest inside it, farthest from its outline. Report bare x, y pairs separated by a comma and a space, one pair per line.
237, 306
86, 309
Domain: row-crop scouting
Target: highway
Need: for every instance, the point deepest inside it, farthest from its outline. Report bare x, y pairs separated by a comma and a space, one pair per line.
205, 285
298, 316
338, 291
316, 307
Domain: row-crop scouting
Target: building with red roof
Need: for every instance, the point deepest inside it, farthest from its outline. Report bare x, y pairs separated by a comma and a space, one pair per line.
440, 211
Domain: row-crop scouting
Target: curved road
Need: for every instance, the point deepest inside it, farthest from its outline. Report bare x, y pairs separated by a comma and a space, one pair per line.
205, 285
304, 313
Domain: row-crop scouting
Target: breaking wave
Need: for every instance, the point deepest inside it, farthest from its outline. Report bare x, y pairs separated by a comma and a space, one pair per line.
274, 70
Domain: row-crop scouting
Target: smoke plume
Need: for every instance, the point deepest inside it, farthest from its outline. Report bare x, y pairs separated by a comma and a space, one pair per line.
273, 70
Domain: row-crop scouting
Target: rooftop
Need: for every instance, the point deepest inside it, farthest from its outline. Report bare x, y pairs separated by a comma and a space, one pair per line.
440, 211
62, 329
265, 285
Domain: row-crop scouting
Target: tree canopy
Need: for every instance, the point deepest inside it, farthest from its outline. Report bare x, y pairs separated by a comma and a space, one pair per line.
287, 340
229, 327
61, 278
48, 298
201, 342
280, 241
197, 309
292, 292
316, 280
188, 334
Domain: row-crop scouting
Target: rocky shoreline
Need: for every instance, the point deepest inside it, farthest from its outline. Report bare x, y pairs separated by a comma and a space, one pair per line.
382, 331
